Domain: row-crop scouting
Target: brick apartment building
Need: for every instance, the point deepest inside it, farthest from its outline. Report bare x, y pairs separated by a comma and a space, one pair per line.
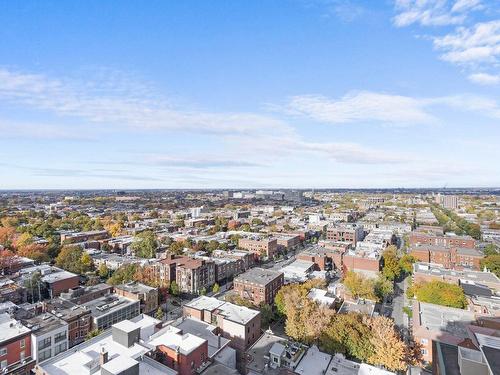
259, 285
266, 247
239, 324
419, 238
78, 318
287, 243
191, 275
148, 296
183, 352
351, 233
15, 347
69, 238
452, 258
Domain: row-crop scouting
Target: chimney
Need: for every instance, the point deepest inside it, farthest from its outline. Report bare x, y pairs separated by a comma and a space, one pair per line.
103, 357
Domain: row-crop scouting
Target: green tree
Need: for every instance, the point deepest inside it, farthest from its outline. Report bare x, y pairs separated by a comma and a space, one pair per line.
174, 289
124, 274
216, 288
359, 286
93, 333
492, 263
406, 263
267, 315
441, 293
159, 314
391, 268
74, 259
145, 244
383, 287
348, 334
490, 249
103, 270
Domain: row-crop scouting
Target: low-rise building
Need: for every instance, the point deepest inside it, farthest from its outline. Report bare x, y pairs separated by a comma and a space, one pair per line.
49, 336
111, 309
349, 233
146, 295
261, 247
259, 285
15, 347
239, 324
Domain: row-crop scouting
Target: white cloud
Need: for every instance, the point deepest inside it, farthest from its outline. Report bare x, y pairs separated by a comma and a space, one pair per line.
433, 12
484, 78
359, 107
109, 102
372, 107
477, 44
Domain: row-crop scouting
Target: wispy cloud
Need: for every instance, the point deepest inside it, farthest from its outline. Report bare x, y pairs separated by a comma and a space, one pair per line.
433, 12
474, 45
361, 106
484, 78
396, 110
111, 104
200, 162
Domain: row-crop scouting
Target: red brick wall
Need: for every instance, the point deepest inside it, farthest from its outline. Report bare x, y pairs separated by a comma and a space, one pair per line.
14, 349
353, 263
184, 364
61, 286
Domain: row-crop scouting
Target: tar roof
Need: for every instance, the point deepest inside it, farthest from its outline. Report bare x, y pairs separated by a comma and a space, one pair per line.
258, 276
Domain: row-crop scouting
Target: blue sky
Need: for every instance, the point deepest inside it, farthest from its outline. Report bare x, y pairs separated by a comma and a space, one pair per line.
263, 94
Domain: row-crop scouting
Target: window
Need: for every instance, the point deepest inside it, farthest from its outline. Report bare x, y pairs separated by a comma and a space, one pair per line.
424, 351
3, 351
45, 343
22, 355
424, 341
43, 355
59, 337
22, 343
4, 364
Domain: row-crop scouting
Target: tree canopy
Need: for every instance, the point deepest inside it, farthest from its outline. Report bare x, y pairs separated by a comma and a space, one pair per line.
441, 293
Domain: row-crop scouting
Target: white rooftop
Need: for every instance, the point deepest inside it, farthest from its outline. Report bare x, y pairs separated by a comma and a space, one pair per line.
10, 328
314, 362
205, 303
172, 338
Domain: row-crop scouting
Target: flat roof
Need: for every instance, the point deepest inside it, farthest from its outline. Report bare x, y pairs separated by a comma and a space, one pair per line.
205, 303
237, 314
172, 338
260, 276
204, 331
447, 319
314, 362
10, 328
107, 304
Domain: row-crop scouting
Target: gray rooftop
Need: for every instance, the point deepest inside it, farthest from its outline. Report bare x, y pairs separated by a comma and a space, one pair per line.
259, 276
447, 319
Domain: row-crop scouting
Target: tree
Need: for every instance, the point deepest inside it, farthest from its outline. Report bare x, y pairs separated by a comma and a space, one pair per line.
24, 239
391, 268
490, 249
383, 287
492, 263
37, 252
74, 259
216, 288
124, 274
267, 315
159, 314
441, 293
93, 333
174, 289
7, 236
389, 350
114, 229
145, 245
103, 271
348, 334
359, 286
86, 263
406, 263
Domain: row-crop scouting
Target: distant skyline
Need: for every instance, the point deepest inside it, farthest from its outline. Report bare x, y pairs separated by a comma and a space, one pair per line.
249, 94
